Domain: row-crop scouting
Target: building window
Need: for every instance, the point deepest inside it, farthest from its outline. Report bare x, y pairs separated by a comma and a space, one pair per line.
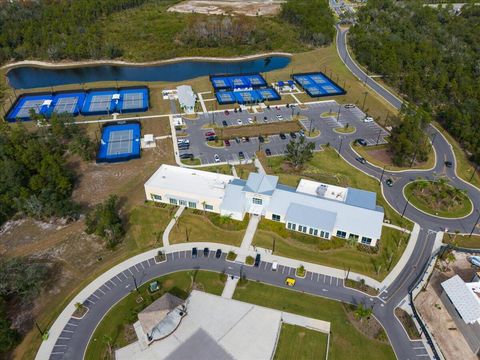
155, 197
275, 217
173, 201
208, 207
257, 201
192, 205
182, 203
292, 226
327, 235
313, 231
353, 237
302, 228
366, 240
341, 234
324, 234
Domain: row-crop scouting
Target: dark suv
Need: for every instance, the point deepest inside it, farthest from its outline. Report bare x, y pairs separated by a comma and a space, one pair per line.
257, 260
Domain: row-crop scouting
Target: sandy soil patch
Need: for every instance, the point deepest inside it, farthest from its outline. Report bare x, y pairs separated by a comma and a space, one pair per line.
441, 325
231, 7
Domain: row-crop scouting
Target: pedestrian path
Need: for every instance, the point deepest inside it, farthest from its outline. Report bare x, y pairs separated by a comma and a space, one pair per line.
259, 167
230, 287
170, 226
248, 237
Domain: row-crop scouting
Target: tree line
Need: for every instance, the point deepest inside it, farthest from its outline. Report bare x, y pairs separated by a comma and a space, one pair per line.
431, 56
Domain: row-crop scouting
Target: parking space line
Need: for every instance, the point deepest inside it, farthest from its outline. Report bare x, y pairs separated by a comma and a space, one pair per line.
70, 331
337, 281
114, 284
331, 278
130, 271
118, 278
318, 277
324, 278
58, 352
143, 267
95, 296
63, 338
123, 273
289, 270
101, 291
107, 286
311, 276
136, 267
59, 345
265, 267
283, 269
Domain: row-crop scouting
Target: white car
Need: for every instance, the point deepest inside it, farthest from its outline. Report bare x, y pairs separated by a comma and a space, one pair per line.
239, 122
274, 266
216, 158
279, 117
183, 141
368, 119
250, 120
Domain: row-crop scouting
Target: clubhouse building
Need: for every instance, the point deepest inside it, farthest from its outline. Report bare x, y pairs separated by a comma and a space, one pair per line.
313, 208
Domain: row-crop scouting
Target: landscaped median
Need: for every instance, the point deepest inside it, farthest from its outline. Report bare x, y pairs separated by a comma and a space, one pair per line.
438, 198
253, 130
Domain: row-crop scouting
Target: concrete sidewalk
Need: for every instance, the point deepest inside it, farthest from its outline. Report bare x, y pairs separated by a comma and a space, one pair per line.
248, 237
230, 287
170, 226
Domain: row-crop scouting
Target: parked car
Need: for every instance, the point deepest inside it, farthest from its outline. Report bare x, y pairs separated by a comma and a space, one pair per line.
257, 261
448, 164
224, 123
216, 158
250, 120
301, 133
282, 136
368, 119
268, 152
237, 140
235, 110
186, 156
361, 142
218, 253
293, 135
210, 133
183, 147
183, 141
247, 139
240, 109
274, 266
290, 281
361, 160
279, 117
389, 182
211, 138
194, 253
241, 155
349, 106
227, 142
261, 139
239, 122
265, 119
206, 252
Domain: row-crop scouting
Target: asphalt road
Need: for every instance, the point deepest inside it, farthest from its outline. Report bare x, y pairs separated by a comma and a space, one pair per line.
76, 335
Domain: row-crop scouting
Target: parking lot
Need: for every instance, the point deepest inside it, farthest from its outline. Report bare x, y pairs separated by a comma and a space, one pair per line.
243, 149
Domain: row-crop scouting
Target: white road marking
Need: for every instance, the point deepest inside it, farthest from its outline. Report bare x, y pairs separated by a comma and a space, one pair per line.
136, 268
324, 290
70, 331
337, 281
142, 265
112, 282
130, 271
107, 286
72, 324
59, 345
95, 296
318, 277
118, 278
331, 280
265, 267
324, 279
311, 276
289, 271
420, 347
64, 338
283, 269
58, 353
103, 292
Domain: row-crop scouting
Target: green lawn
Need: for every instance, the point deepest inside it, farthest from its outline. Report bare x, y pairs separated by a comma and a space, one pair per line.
219, 169
326, 166
345, 130
115, 326
196, 227
336, 253
438, 199
346, 341
472, 242
300, 343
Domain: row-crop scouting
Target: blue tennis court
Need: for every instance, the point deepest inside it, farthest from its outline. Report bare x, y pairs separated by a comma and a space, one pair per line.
247, 96
120, 142
100, 102
40, 103
240, 81
69, 103
132, 100
318, 84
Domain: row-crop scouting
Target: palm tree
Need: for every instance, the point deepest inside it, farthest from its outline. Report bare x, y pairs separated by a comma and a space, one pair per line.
362, 312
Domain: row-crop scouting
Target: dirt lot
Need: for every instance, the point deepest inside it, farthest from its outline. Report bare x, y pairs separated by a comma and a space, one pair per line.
430, 306
77, 255
228, 7
259, 129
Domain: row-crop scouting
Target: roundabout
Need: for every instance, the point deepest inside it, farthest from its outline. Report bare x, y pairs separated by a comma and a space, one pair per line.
438, 198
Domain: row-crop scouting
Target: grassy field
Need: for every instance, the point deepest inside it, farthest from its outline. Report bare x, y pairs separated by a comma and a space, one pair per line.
467, 241
116, 330
326, 166
300, 343
336, 253
378, 155
346, 341
438, 199
259, 129
196, 227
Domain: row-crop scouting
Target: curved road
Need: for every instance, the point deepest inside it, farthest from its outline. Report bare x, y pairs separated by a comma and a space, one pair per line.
76, 334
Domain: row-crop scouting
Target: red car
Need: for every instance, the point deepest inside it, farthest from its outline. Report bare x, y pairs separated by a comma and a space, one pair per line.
210, 133
227, 143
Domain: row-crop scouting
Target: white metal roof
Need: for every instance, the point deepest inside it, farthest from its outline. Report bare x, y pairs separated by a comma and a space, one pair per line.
191, 182
186, 96
350, 218
463, 298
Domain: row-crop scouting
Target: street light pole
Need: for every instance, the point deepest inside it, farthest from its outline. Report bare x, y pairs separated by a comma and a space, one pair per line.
135, 283
405, 208
383, 172
413, 159
338, 114
364, 99
340, 147
433, 138
473, 174
379, 133
474, 226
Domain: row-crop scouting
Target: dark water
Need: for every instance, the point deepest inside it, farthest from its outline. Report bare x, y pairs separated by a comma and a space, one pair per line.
30, 77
